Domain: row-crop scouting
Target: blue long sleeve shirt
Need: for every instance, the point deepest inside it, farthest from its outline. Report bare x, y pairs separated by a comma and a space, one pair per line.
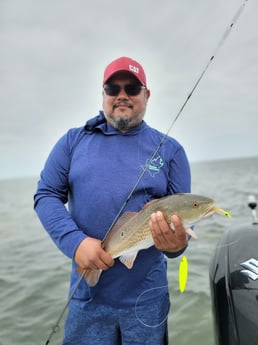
93, 169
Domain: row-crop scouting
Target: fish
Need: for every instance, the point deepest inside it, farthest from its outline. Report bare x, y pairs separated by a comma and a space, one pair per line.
131, 233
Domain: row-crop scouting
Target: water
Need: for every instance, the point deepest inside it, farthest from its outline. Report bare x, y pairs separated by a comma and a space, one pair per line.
34, 275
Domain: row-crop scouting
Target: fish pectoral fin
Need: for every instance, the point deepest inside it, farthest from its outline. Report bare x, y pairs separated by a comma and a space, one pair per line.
128, 260
91, 276
191, 233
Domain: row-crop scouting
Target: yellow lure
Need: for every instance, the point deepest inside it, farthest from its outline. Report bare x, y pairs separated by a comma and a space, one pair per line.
227, 214
183, 274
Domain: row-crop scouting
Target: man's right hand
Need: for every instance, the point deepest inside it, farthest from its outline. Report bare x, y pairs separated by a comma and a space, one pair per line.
91, 255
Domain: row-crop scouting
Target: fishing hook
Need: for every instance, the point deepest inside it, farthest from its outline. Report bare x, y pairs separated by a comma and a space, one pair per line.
163, 139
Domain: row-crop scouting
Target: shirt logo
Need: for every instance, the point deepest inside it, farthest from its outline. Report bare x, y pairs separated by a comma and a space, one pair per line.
154, 166
251, 268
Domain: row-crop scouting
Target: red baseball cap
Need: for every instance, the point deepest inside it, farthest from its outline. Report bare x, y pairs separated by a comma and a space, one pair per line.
125, 64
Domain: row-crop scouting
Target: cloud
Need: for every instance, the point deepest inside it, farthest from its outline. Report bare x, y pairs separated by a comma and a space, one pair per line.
53, 56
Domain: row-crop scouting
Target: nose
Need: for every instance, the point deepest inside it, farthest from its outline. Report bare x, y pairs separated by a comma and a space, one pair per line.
122, 94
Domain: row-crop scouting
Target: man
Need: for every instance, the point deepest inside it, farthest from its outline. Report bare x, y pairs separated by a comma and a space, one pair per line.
94, 168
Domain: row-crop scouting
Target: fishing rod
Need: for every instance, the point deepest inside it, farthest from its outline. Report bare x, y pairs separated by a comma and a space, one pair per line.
163, 139
55, 328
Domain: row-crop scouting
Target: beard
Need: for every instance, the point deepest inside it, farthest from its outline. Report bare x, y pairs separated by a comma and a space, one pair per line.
125, 123
123, 120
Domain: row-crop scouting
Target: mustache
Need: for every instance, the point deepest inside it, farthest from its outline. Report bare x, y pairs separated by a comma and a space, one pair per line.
122, 103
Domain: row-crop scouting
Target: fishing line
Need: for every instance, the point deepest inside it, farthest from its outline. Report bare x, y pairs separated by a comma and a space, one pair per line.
163, 139
55, 328
152, 317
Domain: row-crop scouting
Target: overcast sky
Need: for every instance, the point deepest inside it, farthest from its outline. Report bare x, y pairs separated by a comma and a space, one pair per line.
53, 54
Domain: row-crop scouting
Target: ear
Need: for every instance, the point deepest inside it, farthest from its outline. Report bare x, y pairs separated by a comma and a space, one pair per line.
147, 94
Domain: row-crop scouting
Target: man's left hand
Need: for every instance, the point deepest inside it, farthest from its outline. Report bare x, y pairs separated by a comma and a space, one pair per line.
166, 239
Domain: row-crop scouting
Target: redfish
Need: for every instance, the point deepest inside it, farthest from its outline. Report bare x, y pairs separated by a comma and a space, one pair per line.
131, 233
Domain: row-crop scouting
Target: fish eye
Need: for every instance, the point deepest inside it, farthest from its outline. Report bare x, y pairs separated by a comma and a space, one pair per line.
195, 205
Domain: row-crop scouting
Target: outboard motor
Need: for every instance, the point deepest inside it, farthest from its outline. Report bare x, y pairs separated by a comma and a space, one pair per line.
234, 284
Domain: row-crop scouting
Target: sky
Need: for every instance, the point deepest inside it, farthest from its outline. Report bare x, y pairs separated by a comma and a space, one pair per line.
53, 54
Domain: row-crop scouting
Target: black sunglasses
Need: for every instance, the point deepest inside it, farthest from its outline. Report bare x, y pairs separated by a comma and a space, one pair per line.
130, 89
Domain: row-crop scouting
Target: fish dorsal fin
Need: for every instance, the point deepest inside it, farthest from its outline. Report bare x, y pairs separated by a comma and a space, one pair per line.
119, 223
127, 216
123, 219
150, 203
128, 260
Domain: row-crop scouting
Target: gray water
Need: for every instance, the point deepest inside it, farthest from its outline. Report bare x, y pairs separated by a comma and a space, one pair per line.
34, 275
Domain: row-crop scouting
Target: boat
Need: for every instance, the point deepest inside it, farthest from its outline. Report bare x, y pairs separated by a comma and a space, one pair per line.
233, 274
